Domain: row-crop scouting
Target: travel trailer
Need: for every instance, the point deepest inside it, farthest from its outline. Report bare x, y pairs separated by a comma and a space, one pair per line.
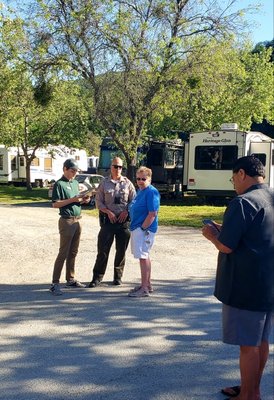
210, 155
202, 163
165, 159
45, 167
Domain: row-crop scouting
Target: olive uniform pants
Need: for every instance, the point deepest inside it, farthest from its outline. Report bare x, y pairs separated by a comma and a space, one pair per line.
106, 236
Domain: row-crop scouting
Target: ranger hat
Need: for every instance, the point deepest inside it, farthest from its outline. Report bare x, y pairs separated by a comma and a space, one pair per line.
70, 163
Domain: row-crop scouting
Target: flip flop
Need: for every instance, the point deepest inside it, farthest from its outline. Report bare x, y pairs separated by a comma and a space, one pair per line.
235, 389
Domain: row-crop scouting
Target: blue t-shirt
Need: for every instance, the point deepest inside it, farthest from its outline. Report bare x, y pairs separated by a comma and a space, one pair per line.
146, 200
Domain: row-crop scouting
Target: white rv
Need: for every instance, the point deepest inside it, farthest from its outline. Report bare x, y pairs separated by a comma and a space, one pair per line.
209, 157
45, 167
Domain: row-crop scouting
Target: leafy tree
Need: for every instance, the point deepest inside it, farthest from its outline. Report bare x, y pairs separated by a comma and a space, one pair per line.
261, 46
125, 50
229, 85
37, 108
31, 123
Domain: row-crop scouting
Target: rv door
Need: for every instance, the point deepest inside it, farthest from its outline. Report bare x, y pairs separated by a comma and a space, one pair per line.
264, 151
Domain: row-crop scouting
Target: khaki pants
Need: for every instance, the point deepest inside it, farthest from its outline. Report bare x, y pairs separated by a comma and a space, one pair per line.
70, 232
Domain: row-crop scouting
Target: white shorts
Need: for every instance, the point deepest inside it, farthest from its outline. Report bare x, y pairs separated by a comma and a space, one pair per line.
141, 243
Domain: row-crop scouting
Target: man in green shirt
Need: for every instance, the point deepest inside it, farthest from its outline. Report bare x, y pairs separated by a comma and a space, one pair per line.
66, 197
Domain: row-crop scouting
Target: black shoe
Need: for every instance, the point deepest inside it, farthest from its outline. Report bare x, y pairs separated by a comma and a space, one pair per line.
94, 283
117, 282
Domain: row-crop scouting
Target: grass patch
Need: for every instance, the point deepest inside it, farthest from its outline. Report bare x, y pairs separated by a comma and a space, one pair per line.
189, 211
189, 215
16, 195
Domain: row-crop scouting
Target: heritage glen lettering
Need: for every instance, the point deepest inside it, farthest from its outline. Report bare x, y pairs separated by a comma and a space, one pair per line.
217, 141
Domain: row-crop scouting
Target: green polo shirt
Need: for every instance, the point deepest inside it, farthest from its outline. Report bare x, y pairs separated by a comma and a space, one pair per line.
65, 189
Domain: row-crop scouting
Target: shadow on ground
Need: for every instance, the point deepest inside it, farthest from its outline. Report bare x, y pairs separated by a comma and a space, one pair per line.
100, 344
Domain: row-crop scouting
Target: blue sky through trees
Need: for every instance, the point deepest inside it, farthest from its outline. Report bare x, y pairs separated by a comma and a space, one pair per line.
261, 22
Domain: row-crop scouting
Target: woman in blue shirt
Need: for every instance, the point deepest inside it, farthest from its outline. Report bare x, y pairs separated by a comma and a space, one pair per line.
143, 226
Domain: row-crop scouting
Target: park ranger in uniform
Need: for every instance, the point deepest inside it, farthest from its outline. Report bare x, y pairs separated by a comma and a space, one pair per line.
114, 194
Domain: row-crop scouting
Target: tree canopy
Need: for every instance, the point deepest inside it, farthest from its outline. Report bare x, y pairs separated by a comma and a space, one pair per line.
150, 66
37, 108
126, 50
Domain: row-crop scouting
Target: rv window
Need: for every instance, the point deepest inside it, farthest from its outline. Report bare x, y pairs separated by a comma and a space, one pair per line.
179, 158
35, 162
215, 157
170, 158
1, 162
48, 164
21, 161
154, 157
93, 162
261, 157
13, 163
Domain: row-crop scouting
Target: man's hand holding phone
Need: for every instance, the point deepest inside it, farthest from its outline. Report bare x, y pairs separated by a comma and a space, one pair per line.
207, 221
211, 229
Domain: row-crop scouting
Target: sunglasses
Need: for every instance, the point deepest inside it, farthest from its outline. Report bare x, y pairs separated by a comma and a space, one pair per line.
117, 166
141, 179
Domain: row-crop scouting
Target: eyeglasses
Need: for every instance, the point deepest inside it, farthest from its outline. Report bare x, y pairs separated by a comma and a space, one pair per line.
117, 166
141, 179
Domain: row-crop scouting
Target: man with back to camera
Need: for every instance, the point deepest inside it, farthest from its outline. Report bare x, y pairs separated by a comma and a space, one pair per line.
65, 196
114, 194
245, 273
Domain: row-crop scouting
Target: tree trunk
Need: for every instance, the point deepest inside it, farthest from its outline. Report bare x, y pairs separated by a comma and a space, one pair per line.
28, 180
131, 172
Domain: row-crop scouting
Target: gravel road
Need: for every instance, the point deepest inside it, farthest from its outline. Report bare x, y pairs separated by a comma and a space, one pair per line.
99, 344
30, 239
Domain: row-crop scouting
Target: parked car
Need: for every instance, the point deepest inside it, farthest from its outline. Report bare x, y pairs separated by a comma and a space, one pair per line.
86, 182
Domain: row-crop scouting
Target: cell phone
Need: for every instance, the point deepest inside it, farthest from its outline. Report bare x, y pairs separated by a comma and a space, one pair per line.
208, 221
84, 193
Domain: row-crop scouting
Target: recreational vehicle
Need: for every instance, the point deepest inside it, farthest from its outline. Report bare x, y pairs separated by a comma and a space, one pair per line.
209, 157
165, 159
202, 163
45, 167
